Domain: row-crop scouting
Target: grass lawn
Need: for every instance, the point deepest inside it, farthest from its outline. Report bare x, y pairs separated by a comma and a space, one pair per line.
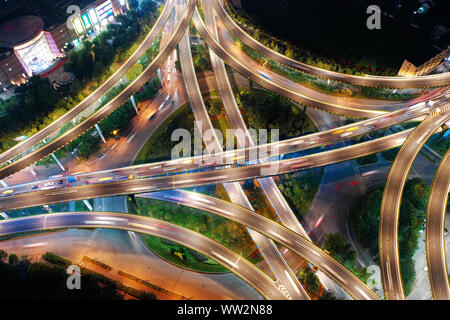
300, 190
226, 232
439, 143
163, 249
371, 158
390, 154
158, 146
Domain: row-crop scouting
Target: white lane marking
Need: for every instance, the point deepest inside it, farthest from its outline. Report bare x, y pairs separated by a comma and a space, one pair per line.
294, 285
221, 258
388, 272
333, 274
362, 292
112, 218
131, 138
98, 222
143, 226
34, 245
272, 232
183, 181
307, 248
139, 188
419, 140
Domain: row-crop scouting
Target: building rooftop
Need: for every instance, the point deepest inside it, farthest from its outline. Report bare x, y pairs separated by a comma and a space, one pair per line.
19, 30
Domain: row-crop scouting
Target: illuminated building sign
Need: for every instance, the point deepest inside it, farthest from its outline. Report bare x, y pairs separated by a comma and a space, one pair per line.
78, 26
86, 21
104, 10
93, 16
38, 54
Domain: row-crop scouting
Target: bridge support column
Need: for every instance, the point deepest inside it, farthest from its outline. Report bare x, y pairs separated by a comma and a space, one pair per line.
393, 92
57, 161
159, 75
4, 215
100, 133
88, 205
34, 173
134, 104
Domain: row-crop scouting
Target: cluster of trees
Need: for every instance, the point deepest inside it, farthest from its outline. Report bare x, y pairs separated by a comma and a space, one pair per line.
95, 57
89, 142
200, 57
366, 217
308, 278
37, 104
22, 279
226, 232
215, 106
119, 120
301, 190
267, 110
258, 200
390, 154
320, 84
34, 100
339, 249
440, 142
371, 158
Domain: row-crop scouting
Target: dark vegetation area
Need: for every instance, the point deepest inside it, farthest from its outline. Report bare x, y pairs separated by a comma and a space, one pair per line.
22, 279
335, 33
365, 220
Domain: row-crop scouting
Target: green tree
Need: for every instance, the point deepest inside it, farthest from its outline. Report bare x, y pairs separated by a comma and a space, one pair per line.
290, 53
148, 6
309, 279
134, 4
3, 255
366, 217
216, 108
338, 247
13, 259
327, 295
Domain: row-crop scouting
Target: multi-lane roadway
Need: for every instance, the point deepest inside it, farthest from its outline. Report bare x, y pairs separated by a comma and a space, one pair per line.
161, 176
435, 227
94, 96
390, 205
261, 151
301, 246
229, 259
272, 256
106, 110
